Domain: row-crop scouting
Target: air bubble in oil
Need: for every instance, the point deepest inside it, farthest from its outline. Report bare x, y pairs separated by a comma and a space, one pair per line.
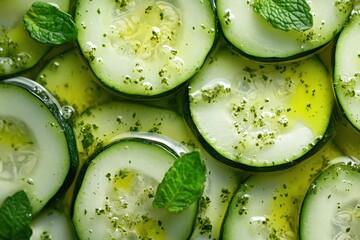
68, 112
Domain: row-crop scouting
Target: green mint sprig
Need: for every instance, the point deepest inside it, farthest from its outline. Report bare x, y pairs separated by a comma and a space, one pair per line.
182, 185
46, 23
15, 217
285, 14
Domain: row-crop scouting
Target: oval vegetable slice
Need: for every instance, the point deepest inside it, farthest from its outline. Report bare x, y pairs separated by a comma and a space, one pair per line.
38, 149
256, 37
18, 51
347, 71
260, 116
121, 181
101, 125
331, 208
145, 48
267, 205
52, 223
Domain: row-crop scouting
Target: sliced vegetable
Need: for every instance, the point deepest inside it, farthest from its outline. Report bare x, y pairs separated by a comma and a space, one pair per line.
260, 116
145, 48
256, 37
37, 145
18, 51
122, 180
101, 125
347, 71
52, 223
331, 208
267, 205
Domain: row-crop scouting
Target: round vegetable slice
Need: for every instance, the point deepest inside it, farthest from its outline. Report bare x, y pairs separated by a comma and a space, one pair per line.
347, 71
145, 48
37, 145
267, 205
18, 51
52, 223
121, 181
331, 208
101, 125
259, 116
257, 38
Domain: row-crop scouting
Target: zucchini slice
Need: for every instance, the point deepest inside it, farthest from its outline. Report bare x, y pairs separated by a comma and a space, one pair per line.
267, 205
257, 38
331, 208
347, 71
121, 181
18, 51
37, 146
145, 47
260, 117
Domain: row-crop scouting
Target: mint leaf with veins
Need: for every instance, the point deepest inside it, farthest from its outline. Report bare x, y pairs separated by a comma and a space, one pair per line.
285, 14
46, 23
182, 185
15, 217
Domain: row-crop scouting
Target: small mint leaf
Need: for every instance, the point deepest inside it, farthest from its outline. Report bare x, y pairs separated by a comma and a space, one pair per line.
285, 14
15, 217
182, 184
48, 24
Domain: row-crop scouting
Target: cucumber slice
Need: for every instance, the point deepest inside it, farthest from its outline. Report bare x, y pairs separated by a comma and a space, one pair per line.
260, 117
18, 51
347, 71
257, 38
145, 47
331, 208
267, 205
37, 146
121, 181
52, 223
101, 125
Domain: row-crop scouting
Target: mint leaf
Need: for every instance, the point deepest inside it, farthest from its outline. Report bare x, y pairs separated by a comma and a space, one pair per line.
285, 14
182, 184
15, 217
48, 24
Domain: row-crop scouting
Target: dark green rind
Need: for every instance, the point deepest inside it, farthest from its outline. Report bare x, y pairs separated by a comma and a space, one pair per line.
42, 94
147, 138
170, 93
328, 135
332, 179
